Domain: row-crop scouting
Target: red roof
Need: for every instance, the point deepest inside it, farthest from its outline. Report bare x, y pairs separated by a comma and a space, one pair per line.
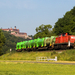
14, 30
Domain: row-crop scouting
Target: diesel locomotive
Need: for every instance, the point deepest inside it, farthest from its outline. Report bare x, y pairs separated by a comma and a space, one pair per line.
62, 41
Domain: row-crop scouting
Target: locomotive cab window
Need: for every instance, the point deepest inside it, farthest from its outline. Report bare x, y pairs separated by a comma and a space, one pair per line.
63, 34
59, 35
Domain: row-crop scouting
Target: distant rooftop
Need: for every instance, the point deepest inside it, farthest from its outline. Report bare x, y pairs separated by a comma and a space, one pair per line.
16, 32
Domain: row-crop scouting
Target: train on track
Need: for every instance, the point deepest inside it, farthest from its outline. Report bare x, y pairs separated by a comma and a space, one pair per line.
62, 41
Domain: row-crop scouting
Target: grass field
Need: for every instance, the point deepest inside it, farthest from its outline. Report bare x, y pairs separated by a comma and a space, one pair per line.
9, 68
23, 68
24, 55
68, 55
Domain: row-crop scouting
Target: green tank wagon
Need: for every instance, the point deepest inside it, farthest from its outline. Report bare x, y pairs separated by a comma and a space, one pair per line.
47, 42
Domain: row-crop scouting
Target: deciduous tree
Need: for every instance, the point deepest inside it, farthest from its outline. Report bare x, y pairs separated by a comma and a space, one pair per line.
66, 23
43, 31
2, 40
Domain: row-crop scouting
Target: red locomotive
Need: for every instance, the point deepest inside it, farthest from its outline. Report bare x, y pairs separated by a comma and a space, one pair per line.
64, 41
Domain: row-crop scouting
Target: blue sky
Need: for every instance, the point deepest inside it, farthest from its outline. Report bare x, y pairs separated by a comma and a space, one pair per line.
26, 15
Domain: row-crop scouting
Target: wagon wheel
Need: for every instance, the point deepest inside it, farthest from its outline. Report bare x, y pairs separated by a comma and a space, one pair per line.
65, 47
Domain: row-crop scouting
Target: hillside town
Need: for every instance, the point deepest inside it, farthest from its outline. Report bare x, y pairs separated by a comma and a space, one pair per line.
16, 32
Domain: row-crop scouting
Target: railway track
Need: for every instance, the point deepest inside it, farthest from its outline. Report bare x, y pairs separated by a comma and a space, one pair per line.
51, 50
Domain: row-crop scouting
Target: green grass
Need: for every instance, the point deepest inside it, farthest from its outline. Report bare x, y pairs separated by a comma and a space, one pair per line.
68, 55
35, 69
24, 55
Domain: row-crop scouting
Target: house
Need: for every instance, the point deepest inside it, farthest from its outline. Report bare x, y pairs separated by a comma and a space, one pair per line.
17, 33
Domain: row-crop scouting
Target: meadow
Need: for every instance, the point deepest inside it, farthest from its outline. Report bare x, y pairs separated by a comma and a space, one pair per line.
23, 68
67, 55
9, 68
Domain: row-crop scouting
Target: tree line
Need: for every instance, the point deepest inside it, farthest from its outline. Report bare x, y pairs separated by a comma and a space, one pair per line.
66, 24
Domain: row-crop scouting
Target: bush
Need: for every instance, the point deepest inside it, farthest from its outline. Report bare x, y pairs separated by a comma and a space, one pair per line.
72, 58
10, 42
54, 52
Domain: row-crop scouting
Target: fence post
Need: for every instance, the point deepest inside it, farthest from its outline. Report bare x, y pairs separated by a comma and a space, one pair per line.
55, 58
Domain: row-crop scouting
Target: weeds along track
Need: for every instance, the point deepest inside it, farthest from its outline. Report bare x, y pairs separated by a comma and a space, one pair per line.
50, 50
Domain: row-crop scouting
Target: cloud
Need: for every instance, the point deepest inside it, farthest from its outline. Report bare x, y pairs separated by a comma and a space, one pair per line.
18, 4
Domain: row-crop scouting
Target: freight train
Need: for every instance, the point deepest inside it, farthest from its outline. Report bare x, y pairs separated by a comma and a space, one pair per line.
62, 41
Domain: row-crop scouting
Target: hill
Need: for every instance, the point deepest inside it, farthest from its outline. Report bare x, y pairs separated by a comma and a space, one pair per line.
11, 41
64, 55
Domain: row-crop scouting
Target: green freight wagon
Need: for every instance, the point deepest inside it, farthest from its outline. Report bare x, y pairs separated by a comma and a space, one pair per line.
33, 43
36, 43
53, 39
40, 42
52, 42
28, 44
24, 44
19, 46
49, 41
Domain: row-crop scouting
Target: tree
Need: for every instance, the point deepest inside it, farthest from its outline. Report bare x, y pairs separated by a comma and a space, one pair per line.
2, 40
43, 31
66, 23
11, 41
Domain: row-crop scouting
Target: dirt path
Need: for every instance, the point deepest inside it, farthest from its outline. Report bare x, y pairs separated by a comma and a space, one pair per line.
53, 62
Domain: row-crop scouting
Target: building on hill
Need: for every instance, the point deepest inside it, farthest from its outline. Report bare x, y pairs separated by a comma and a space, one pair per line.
17, 33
